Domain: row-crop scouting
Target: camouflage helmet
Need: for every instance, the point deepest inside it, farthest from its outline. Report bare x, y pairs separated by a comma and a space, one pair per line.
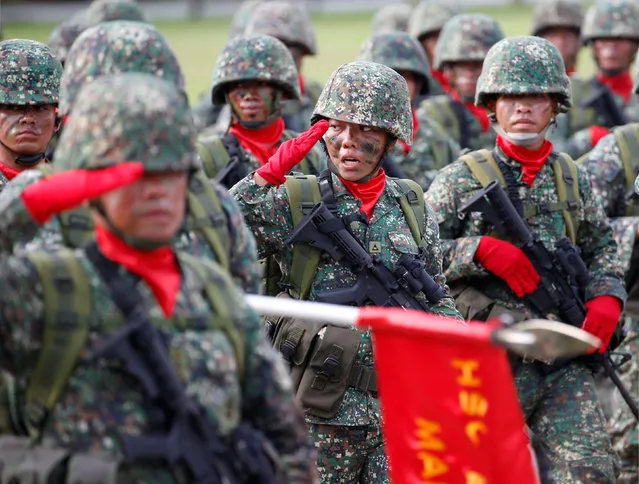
287, 21
113, 48
110, 10
255, 58
242, 17
30, 73
466, 37
612, 19
430, 17
524, 65
369, 94
391, 18
63, 36
399, 51
550, 14
129, 117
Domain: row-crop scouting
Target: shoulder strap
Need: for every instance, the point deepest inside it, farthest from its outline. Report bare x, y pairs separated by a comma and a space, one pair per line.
412, 204
627, 138
567, 183
440, 109
67, 309
219, 297
483, 166
214, 154
206, 216
303, 193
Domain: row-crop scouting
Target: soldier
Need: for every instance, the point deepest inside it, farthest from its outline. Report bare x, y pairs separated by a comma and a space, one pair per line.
85, 407
611, 28
425, 24
215, 228
559, 21
460, 52
523, 85
290, 22
29, 91
391, 18
110, 10
432, 148
364, 108
252, 75
63, 36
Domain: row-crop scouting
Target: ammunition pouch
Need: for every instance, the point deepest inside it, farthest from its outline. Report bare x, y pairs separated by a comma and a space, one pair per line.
475, 305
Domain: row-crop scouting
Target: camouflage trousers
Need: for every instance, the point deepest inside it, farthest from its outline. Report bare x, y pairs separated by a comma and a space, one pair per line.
567, 425
350, 455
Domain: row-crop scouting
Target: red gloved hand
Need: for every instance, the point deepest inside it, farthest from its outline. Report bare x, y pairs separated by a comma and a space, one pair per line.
509, 264
69, 189
602, 318
290, 153
596, 133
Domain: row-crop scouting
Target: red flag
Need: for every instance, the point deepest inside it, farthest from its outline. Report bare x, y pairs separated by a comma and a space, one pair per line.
449, 403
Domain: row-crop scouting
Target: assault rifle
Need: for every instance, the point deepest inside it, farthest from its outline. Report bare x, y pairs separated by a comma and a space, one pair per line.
563, 274
376, 284
604, 103
236, 168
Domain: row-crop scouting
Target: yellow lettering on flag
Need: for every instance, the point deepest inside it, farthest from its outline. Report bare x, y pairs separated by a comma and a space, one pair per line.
473, 429
432, 466
473, 404
473, 477
467, 369
426, 432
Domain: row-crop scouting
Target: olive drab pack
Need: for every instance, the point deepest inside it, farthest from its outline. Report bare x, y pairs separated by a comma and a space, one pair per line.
67, 307
627, 138
485, 169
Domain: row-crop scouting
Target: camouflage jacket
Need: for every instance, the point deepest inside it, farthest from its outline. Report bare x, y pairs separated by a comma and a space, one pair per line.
456, 120
455, 185
267, 213
99, 402
3, 181
572, 133
609, 185
19, 232
432, 150
297, 114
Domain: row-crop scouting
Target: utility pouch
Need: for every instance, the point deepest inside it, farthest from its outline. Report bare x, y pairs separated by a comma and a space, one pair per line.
327, 375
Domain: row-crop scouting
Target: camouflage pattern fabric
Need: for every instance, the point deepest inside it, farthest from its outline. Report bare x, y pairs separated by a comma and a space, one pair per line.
571, 439
255, 58
611, 19
466, 37
391, 18
429, 17
63, 36
524, 65
550, 14
288, 21
242, 17
116, 47
29, 73
297, 114
110, 10
369, 94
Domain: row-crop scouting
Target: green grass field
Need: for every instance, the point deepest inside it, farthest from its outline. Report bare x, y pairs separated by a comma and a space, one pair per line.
198, 43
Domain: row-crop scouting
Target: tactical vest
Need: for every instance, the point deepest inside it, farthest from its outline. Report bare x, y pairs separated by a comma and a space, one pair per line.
216, 153
627, 138
485, 169
323, 358
582, 115
205, 217
68, 307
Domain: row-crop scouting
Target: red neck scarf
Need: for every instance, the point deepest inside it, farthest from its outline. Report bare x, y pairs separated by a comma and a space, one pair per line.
479, 112
158, 267
570, 71
415, 129
621, 84
531, 160
368, 193
441, 79
302, 84
9, 172
262, 142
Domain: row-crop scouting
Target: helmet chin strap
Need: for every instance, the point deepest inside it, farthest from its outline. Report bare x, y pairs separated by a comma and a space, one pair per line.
275, 113
520, 139
25, 160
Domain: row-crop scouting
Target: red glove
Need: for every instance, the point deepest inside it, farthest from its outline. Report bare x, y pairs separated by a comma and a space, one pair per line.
508, 263
602, 316
69, 189
596, 133
290, 153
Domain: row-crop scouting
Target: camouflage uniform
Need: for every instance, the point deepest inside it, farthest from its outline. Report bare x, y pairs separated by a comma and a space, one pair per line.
113, 48
432, 148
253, 58
466, 37
139, 117
605, 19
350, 444
29, 75
290, 22
561, 408
391, 18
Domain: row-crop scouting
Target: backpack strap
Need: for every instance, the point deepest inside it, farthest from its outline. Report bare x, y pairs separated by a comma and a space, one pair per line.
440, 109
214, 154
303, 194
206, 216
484, 167
220, 296
627, 138
412, 204
67, 309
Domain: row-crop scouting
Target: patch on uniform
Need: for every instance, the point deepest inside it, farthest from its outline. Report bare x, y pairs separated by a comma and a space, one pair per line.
374, 247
